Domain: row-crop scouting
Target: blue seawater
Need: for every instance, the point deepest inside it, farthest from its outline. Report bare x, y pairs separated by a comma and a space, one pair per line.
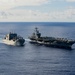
37, 60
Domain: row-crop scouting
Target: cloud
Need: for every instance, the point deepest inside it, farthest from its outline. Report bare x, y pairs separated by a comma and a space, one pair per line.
70, 0
7, 4
35, 16
66, 15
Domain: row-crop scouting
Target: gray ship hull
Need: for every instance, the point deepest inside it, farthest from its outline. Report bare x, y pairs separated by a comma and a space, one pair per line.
55, 43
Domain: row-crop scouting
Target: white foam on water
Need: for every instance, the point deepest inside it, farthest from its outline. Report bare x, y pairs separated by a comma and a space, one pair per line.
27, 40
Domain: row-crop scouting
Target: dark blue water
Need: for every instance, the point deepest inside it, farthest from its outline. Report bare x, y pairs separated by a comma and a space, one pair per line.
37, 60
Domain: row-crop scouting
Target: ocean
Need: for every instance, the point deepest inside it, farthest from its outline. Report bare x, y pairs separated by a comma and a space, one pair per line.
34, 59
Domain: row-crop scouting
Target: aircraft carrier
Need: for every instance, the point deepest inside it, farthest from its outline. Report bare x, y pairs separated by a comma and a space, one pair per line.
36, 38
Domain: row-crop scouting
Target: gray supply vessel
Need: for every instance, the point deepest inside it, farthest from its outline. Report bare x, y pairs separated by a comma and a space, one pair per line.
13, 39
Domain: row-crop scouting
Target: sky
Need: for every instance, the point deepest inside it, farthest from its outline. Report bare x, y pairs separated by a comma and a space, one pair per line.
37, 10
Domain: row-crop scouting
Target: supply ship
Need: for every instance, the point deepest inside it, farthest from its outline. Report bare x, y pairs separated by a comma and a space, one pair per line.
13, 39
36, 38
